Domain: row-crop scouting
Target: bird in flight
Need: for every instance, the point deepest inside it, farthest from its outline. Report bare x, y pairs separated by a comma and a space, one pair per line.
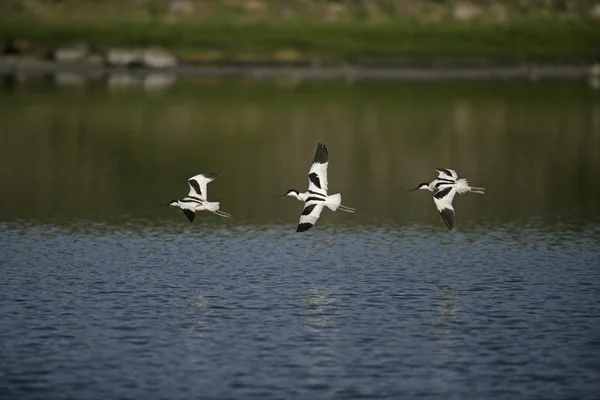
444, 189
196, 200
316, 197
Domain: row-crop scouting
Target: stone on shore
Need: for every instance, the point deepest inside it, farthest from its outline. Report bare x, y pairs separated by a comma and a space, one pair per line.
498, 12
466, 11
158, 58
595, 11
123, 57
72, 53
181, 7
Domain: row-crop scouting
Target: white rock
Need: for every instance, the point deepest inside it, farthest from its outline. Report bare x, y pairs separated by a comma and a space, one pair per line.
465, 11
498, 12
185, 7
158, 59
75, 52
123, 57
595, 11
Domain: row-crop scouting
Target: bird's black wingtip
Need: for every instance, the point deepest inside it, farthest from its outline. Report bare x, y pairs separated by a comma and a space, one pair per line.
303, 227
212, 175
448, 218
321, 155
189, 214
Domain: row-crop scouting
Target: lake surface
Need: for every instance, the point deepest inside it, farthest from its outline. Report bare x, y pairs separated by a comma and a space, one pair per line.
104, 294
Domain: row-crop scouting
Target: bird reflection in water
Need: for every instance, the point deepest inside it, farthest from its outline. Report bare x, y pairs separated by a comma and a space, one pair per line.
445, 306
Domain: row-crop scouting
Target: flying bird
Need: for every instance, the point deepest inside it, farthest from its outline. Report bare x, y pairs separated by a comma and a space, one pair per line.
196, 200
444, 189
316, 197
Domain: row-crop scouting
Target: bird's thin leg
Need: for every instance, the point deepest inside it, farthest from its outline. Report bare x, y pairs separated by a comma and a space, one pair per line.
222, 214
347, 209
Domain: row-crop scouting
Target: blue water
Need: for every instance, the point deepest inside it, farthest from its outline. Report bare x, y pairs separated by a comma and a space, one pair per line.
171, 310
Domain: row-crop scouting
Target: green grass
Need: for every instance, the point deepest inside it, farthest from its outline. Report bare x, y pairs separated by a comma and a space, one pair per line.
549, 40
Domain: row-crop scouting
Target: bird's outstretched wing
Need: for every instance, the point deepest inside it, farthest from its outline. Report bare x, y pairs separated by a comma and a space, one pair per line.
190, 214
446, 173
310, 215
317, 176
198, 184
443, 201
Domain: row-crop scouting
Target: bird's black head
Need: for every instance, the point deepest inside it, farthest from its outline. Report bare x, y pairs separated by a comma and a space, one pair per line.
423, 185
293, 192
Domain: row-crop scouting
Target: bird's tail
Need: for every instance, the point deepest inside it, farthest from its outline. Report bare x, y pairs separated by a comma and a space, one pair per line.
333, 202
211, 205
462, 186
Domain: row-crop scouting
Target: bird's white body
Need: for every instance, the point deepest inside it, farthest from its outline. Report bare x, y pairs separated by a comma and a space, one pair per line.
316, 198
444, 189
196, 200
331, 201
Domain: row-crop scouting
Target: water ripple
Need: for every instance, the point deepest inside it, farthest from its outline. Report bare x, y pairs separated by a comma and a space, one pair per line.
164, 312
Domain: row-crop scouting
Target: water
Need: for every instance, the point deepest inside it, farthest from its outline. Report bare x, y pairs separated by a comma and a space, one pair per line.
103, 294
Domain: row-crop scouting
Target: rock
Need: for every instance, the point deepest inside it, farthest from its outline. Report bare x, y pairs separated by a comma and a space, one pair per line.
285, 9
158, 58
181, 7
255, 5
595, 11
465, 11
71, 53
335, 11
123, 57
407, 7
498, 12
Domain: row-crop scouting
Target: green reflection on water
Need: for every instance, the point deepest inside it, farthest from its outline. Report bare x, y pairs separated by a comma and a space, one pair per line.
105, 154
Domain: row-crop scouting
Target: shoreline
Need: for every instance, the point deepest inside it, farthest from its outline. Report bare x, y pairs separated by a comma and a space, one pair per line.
535, 41
531, 72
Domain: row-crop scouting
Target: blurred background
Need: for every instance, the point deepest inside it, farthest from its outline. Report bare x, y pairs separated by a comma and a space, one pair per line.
107, 107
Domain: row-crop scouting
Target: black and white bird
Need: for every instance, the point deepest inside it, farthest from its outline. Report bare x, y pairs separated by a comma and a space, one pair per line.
444, 189
196, 200
316, 197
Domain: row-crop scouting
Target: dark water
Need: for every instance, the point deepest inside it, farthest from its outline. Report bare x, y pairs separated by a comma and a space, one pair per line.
103, 294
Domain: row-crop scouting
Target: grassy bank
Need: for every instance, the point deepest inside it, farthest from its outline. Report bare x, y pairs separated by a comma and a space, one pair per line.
540, 40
